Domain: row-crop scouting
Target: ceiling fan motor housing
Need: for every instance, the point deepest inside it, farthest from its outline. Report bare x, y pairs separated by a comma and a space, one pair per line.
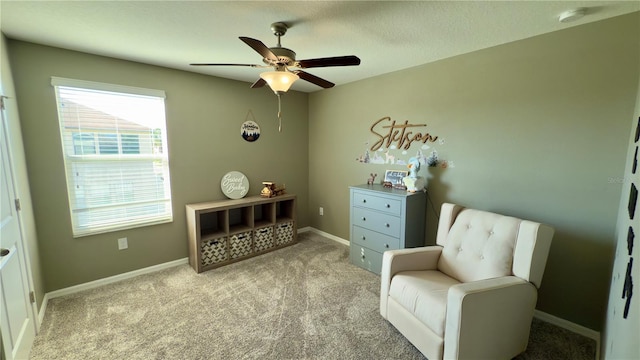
285, 56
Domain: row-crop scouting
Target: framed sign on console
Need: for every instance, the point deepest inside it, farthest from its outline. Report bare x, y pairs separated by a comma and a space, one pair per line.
234, 185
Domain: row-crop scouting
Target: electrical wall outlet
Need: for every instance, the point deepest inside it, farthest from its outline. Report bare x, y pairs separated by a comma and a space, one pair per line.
321, 211
123, 244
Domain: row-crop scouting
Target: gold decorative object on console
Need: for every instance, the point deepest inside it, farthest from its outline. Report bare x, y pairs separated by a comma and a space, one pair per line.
270, 189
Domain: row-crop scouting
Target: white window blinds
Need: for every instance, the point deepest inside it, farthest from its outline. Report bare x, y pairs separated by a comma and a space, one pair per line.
114, 141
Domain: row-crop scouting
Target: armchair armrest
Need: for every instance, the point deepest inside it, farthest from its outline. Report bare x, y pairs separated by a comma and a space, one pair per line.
394, 261
489, 319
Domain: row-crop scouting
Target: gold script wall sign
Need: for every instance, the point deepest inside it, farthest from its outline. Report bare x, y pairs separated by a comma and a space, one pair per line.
397, 134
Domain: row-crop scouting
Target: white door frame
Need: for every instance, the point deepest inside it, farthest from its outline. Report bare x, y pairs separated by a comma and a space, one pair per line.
21, 245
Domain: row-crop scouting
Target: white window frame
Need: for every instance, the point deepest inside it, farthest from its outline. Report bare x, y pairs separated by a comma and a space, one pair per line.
159, 160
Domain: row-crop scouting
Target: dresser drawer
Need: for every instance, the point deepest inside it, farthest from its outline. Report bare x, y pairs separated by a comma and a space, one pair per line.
391, 206
366, 258
374, 240
373, 220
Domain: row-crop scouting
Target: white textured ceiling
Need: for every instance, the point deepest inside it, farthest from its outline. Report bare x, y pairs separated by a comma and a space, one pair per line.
386, 35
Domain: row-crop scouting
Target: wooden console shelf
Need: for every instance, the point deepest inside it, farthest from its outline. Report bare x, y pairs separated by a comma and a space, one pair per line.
226, 231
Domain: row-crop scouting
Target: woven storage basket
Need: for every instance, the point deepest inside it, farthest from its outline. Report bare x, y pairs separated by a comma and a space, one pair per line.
214, 251
284, 233
240, 244
264, 238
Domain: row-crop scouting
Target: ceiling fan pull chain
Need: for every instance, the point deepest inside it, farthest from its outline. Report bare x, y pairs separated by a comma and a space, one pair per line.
279, 115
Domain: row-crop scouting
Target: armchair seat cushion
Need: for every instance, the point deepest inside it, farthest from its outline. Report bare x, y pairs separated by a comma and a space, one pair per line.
424, 295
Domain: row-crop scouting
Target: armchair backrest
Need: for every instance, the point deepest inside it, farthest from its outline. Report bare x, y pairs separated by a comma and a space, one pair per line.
481, 245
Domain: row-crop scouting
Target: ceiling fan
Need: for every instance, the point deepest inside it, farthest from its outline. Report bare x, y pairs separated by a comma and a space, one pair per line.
282, 60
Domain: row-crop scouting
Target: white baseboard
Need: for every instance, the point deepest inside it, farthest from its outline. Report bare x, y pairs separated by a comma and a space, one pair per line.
43, 309
329, 236
573, 327
105, 281
130, 274
112, 279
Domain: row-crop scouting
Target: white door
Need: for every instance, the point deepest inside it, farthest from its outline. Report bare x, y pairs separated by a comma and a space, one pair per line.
17, 322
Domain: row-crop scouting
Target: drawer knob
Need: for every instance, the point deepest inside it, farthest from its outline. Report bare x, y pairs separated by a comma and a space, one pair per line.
387, 225
363, 237
364, 218
386, 245
363, 256
388, 206
364, 200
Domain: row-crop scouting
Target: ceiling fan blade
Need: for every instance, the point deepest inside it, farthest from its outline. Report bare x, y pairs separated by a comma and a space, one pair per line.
261, 48
249, 65
314, 79
259, 83
349, 60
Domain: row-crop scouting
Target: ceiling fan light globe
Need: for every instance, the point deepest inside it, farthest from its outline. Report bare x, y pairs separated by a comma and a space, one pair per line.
279, 81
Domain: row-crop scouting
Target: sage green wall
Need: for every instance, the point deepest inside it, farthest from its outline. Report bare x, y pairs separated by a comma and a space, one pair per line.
535, 129
204, 115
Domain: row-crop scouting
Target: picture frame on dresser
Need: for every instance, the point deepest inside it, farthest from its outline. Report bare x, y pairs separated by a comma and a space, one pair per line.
395, 176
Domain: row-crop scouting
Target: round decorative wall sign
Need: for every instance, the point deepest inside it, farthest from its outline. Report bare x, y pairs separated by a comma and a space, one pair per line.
250, 131
234, 185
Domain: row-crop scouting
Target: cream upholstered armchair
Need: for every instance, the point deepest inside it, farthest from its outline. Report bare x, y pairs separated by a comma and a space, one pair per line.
472, 295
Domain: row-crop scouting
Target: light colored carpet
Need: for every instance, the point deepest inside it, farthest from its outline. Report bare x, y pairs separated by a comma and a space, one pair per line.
302, 302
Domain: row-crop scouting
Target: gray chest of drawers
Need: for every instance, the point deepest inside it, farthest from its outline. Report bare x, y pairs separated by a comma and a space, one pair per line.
384, 219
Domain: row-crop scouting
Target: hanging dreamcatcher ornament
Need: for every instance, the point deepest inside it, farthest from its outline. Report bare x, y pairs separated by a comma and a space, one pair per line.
250, 130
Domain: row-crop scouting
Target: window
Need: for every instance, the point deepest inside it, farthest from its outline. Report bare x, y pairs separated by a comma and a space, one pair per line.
114, 141
108, 143
83, 144
130, 144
